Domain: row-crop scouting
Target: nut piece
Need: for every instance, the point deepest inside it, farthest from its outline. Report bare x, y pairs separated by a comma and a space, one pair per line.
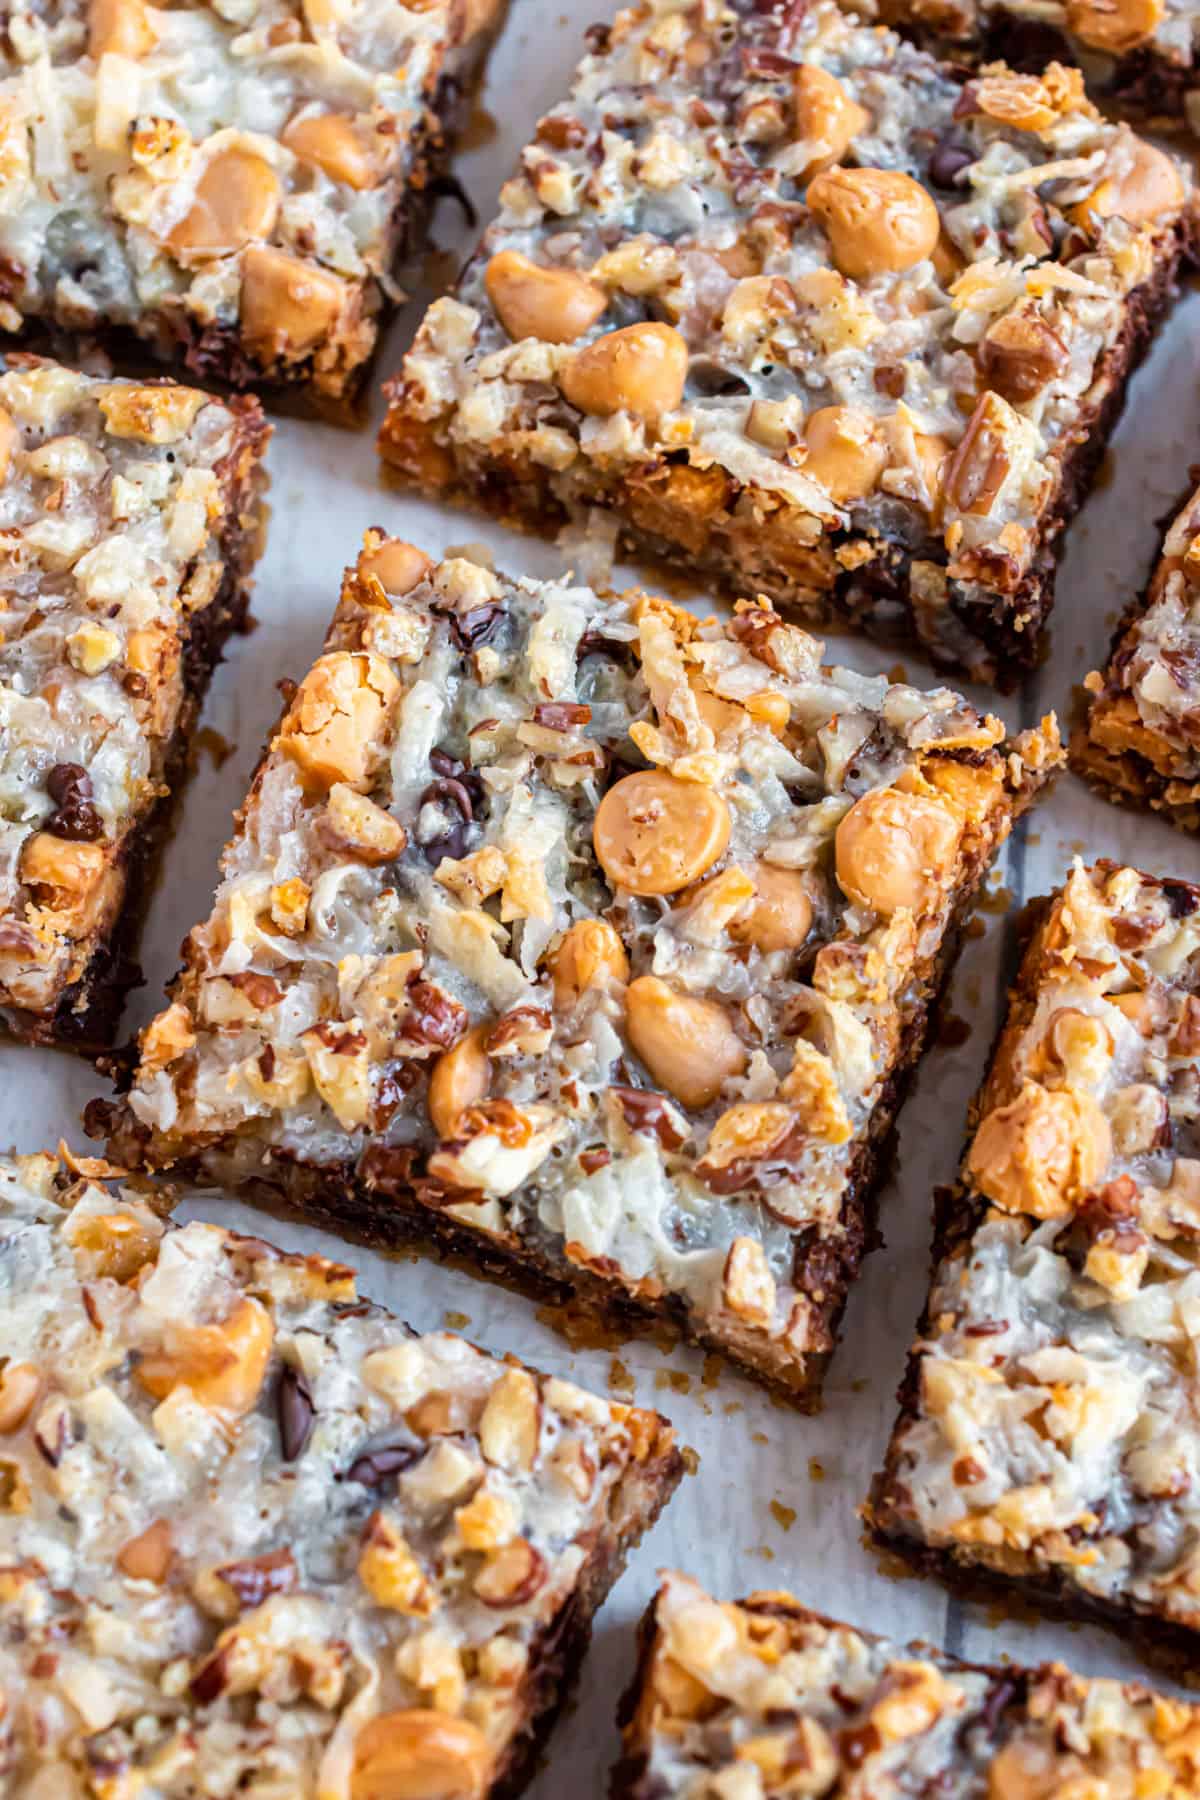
371, 834
823, 113
288, 307
875, 219
511, 1576
120, 26
846, 451
780, 915
894, 849
147, 1557
1020, 353
391, 1573
510, 1424
419, 1754
591, 955
640, 369
1042, 1152
65, 868
20, 1385
396, 565
653, 834
331, 142
556, 305
1150, 186
460, 1079
340, 711
689, 1045
236, 200
223, 1365
1117, 26
748, 1284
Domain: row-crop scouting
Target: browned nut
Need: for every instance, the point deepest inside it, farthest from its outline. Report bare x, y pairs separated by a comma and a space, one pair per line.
288, 307
236, 200
20, 1385
120, 26
366, 830
590, 955
10, 439
780, 915
1020, 353
396, 565
224, 1365
823, 112
1150, 187
689, 1045
846, 451
932, 452
1042, 1152
653, 834
391, 1573
339, 713
1117, 26
532, 301
875, 219
147, 1557
640, 369
511, 1575
979, 465
332, 143
419, 1754
461, 1078
894, 849
64, 868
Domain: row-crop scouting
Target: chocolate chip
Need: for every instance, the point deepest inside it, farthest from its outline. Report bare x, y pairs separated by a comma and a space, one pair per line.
1181, 897
951, 155
451, 795
375, 1466
479, 626
70, 787
294, 1409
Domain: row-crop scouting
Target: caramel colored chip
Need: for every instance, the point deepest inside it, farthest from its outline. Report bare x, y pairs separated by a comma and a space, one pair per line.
590, 955
20, 1385
534, 301
461, 1078
780, 915
876, 220
236, 201
417, 1754
823, 113
396, 565
896, 850
120, 27
653, 834
332, 143
1041, 1153
846, 452
1117, 26
148, 1556
288, 306
640, 369
1149, 188
689, 1046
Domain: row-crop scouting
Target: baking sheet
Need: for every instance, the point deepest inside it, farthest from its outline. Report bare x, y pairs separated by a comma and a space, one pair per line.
773, 1500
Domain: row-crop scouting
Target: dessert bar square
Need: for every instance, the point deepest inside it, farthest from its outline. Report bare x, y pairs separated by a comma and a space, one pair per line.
129, 523
1141, 737
1047, 1434
233, 183
764, 1697
585, 938
256, 1535
1141, 54
795, 301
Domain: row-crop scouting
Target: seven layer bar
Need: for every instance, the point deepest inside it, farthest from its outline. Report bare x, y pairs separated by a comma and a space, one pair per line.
128, 526
765, 1698
785, 295
1048, 1434
231, 182
588, 939
1141, 738
257, 1536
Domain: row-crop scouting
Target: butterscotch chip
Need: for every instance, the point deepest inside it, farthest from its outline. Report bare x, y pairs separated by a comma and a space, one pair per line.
240, 1422
1049, 1420
550, 957
762, 1696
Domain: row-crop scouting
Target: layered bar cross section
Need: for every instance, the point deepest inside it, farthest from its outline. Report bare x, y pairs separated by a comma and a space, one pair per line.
790, 299
257, 1535
586, 937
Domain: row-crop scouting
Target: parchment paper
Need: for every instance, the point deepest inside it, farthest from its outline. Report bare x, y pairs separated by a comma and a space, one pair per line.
773, 1501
